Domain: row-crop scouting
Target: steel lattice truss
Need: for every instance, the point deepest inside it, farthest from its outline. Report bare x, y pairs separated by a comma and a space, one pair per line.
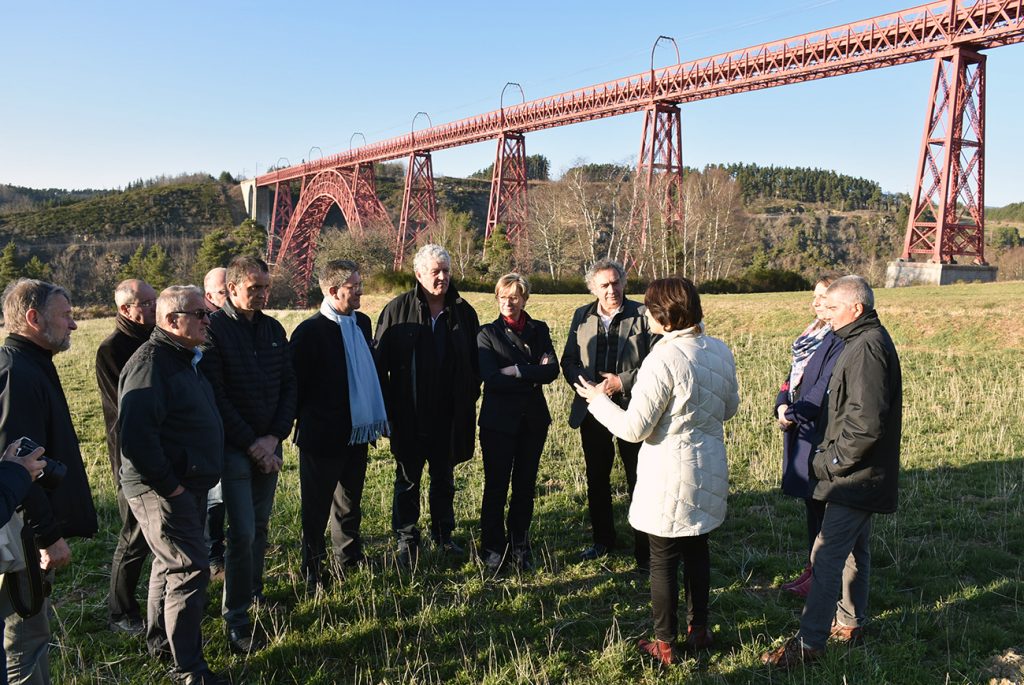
508, 188
947, 217
934, 30
911, 35
419, 204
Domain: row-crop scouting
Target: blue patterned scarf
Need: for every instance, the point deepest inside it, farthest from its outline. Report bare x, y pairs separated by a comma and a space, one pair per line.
803, 348
366, 403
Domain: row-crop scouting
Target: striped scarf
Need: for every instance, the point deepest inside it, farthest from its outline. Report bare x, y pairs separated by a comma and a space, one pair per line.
803, 348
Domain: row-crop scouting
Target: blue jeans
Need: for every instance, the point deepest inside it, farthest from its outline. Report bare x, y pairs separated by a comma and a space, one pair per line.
248, 498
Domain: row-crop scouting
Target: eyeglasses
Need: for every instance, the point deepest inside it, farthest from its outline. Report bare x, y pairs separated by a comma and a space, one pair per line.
198, 314
145, 304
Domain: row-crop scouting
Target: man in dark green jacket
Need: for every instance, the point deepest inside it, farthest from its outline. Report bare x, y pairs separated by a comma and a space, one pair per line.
855, 472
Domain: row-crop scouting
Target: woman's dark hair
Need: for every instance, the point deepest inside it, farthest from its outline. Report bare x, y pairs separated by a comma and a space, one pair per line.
674, 303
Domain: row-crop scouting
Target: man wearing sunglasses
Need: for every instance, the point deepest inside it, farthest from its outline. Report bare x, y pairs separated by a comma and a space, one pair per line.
248, 364
172, 448
136, 316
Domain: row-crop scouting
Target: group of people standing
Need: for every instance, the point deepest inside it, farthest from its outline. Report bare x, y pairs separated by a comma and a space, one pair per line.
199, 390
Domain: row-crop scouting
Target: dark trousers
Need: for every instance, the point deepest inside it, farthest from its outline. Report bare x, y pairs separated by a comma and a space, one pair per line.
509, 459
215, 524
248, 500
815, 515
181, 571
666, 553
599, 455
332, 489
126, 566
405, 509
841, 560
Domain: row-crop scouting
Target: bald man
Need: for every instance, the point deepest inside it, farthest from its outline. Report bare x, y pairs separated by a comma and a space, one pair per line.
215, 294
215, 288
136, 316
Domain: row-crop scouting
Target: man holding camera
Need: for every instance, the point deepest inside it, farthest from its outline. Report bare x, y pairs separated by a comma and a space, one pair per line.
39, 322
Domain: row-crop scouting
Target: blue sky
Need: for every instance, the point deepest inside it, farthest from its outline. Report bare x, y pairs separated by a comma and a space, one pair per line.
100, 94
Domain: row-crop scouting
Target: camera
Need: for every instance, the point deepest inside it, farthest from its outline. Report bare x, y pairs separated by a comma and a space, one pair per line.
54, 471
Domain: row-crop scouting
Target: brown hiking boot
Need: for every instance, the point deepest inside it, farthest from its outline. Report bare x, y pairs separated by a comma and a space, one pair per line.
793, 652
847, 635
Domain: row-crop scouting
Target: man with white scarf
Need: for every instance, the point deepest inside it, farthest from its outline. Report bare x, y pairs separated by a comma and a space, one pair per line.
340, 411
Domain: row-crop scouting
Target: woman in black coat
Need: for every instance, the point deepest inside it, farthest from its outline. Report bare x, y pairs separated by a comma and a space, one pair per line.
516, 359
797, 408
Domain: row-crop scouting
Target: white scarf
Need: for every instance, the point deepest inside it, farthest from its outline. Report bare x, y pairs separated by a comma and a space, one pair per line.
366, 403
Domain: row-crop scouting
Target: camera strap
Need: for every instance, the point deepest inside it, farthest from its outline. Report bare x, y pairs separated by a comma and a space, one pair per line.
33, 572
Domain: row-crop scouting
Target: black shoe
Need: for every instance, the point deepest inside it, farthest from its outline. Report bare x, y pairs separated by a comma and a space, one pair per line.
245, 640
407, 555
492, 561
203, 677
524, 560
451, 548
130, 625
595, 551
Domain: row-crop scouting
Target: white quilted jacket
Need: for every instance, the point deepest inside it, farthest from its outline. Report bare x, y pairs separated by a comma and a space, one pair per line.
685, 390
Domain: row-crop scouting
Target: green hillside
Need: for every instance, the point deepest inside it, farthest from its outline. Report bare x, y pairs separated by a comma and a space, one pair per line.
165, 211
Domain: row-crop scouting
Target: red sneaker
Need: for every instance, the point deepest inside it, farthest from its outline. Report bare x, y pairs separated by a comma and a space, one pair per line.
663, 652
803, 589
799, 579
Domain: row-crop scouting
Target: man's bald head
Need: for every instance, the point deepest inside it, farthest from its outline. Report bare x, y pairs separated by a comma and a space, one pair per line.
215, 287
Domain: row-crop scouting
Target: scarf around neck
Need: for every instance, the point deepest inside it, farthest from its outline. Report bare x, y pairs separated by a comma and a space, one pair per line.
804, 348
366, 403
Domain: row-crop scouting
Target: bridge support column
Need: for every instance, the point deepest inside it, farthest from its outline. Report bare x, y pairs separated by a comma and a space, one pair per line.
279, 218
947, 217
659, 173
419, 203
507, 205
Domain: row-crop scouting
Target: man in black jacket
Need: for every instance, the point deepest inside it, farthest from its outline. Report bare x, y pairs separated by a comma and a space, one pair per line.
855, 472
340, 411
215, 293
136, 316
429, 370
172, 444
254, 383
38, 318
608, 340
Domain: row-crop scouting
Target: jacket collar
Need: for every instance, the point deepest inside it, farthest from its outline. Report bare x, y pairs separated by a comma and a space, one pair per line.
865, 322
160, 337
23, 344
691, 332
229, 309
450, 297
136, 331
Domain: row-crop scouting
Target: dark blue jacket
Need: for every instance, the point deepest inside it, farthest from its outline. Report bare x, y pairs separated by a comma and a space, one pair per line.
799, 442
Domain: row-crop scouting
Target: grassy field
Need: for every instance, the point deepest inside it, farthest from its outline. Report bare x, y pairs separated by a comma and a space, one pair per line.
947, 593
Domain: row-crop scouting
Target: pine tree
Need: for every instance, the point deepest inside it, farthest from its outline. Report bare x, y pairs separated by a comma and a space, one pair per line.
250, 238
36, 268
135, 267
9, 264
157, 268
214, 251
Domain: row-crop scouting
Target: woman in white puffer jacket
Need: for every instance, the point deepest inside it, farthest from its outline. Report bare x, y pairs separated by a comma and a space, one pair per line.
685, 390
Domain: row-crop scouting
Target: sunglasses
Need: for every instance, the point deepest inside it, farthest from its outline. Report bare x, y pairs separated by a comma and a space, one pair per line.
198, 314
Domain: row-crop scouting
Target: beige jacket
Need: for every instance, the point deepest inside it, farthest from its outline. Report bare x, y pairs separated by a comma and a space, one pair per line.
685, 390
